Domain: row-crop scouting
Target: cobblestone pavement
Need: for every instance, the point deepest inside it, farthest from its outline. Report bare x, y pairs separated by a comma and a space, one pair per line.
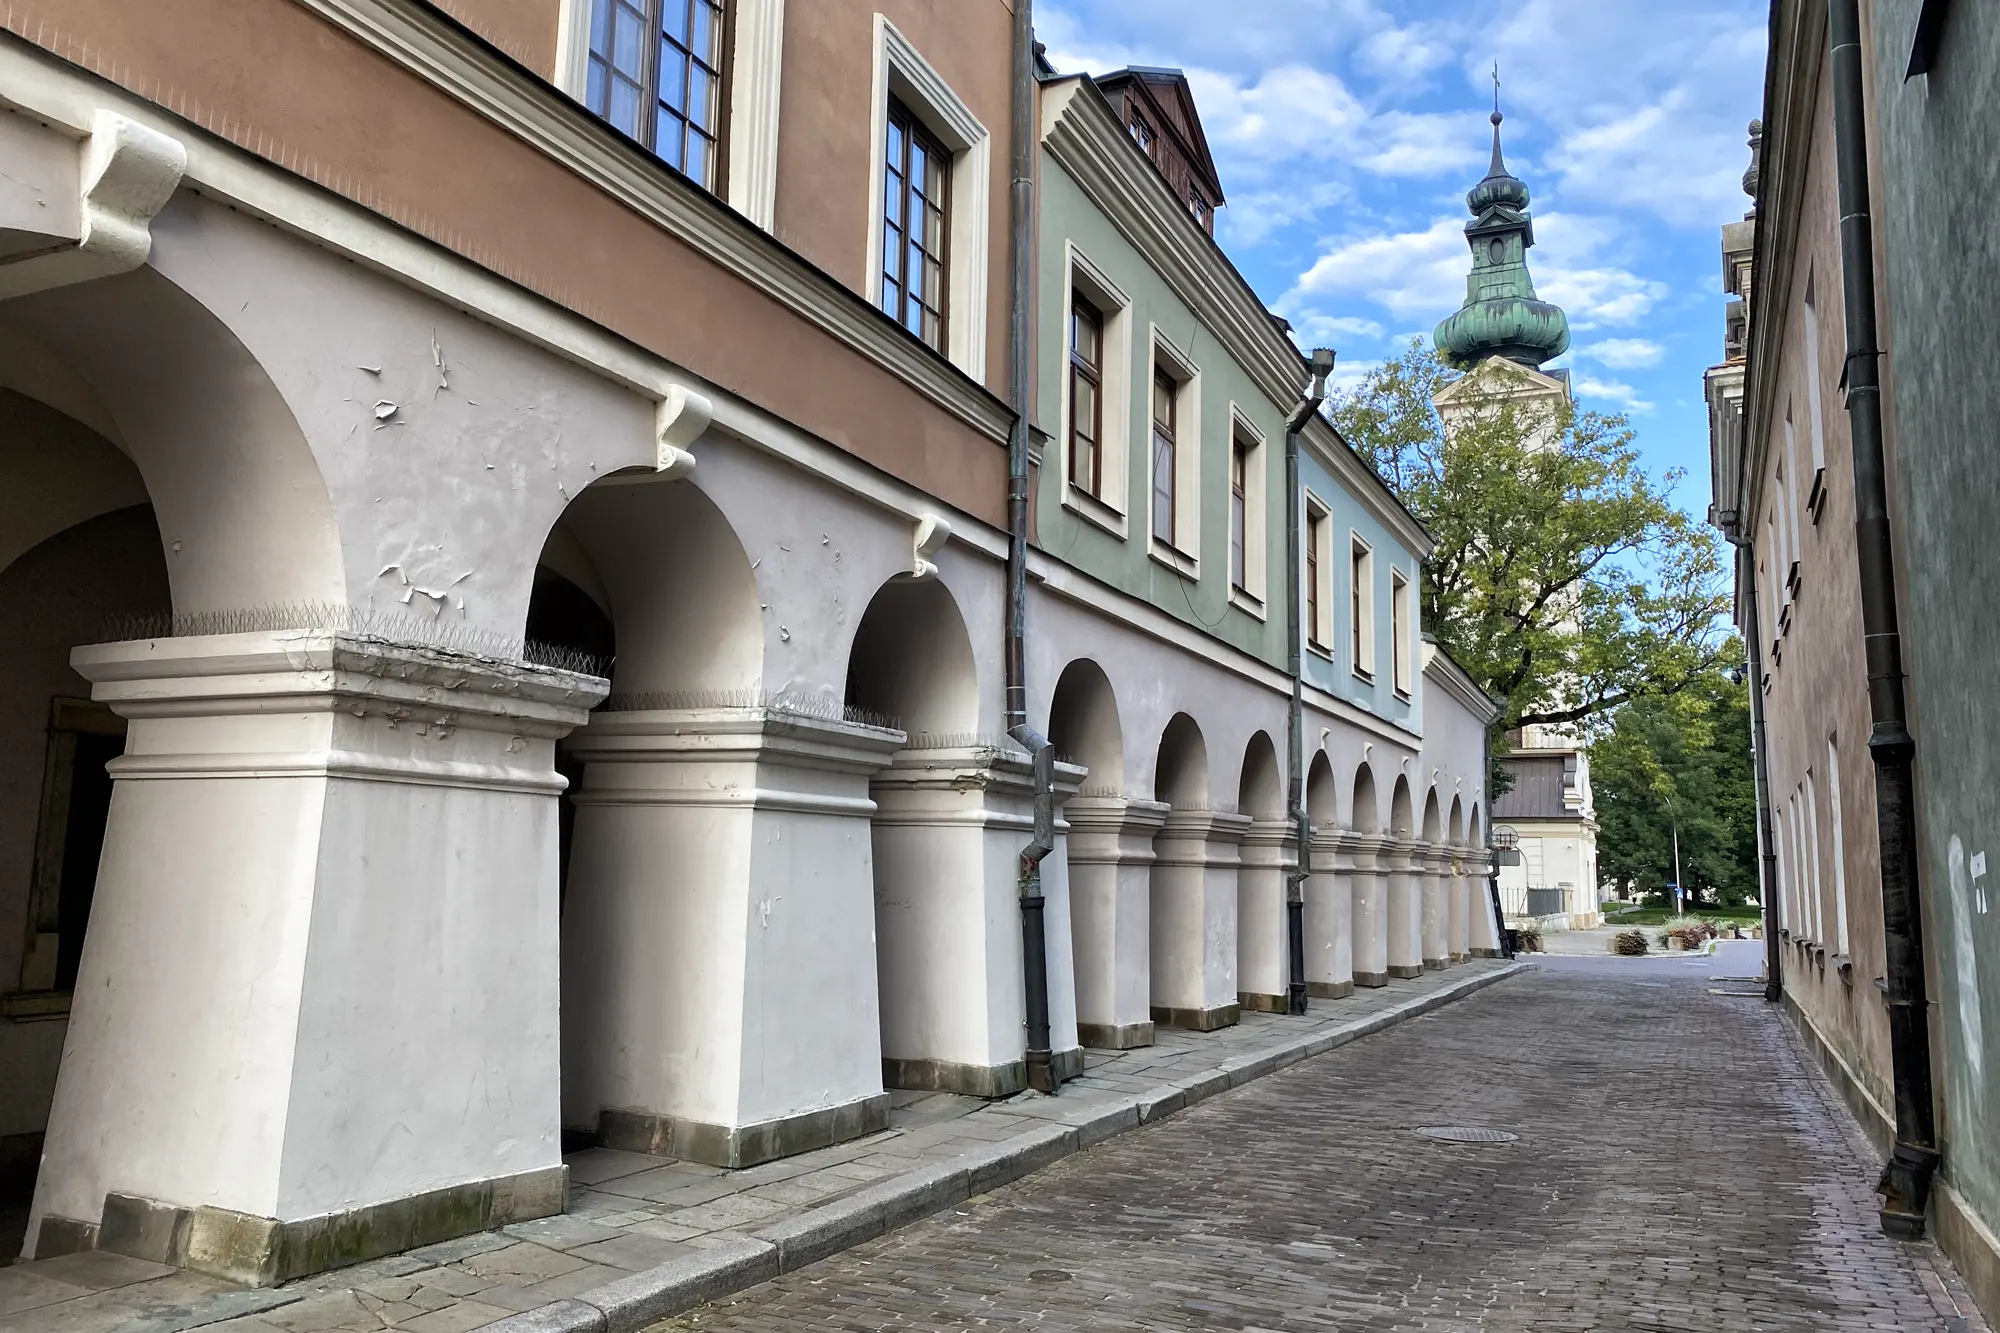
628, 1212
1654, 1184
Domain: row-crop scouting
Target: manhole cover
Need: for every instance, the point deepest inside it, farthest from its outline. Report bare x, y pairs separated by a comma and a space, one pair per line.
1465, 1134
1048, 1275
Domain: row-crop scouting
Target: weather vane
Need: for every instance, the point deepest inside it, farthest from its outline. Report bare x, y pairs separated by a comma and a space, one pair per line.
1496, 87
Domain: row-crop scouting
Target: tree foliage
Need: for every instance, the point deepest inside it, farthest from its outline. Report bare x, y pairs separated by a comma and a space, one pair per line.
1563, 578
1680, 762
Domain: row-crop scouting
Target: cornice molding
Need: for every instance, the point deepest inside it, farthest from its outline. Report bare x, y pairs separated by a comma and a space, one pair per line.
437, 50
1450, 677
1082, 135
1361, 481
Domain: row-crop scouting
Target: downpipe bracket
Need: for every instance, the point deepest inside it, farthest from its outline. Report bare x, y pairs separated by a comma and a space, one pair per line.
1905, 1187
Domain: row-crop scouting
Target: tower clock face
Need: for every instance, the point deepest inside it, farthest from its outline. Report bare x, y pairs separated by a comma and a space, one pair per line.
1496, 250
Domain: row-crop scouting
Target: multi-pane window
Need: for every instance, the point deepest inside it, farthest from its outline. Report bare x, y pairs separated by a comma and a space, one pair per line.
1239, 515
1361, 583
1086, 397
916, 204
1403, 650
1816, 492
656, 75
1165, 412
1316, 608
1198, 208
1142, 133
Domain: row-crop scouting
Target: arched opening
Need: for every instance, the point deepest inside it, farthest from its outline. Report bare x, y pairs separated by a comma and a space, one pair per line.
1433, 867
1108, 885
1368, 857
573, 619
947, 929
155, 491
1084, 727
1329, 901
1366, 808
912, 665
1180, 772
1405, 897
1457, 898
1263, 941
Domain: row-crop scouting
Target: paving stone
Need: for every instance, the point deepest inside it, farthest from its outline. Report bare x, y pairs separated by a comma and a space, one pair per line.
523, 1259
1681, 1166
456, 1318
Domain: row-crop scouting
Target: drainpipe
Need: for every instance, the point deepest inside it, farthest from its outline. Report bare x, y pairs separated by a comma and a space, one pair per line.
1295, 882
1760, 777
1906, 1177
1020, 353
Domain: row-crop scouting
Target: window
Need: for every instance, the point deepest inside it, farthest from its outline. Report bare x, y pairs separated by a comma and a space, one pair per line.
1142, 133
1788, 471
1319, 602
1166, 394
1361, 570
1839, 847
1811, 830
1239, 513
1403, 650
655, 73
1198, 209
915, 222
1086, 397
1816, 491
1787, 912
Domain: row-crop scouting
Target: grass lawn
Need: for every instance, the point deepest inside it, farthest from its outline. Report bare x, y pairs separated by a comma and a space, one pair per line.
1657, 916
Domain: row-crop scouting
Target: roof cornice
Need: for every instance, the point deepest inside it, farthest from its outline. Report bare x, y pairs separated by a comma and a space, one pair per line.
1337, 456
1445, 673
1083, 136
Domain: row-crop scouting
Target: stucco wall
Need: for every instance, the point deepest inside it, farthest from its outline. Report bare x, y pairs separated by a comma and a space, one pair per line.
1334, 672
1938, 191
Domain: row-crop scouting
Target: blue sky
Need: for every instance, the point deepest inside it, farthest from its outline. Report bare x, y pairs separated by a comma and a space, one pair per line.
1346, 133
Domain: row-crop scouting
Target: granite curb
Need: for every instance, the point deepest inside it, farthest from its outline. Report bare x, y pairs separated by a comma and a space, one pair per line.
732, 1264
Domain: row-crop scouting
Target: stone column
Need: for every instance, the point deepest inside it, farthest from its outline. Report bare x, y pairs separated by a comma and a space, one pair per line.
1263, 933
1368, 855
317, 1015
1194, 919
1403, 860
1330, 918
719, 995
948, 833
1110, 879
1459, 887
1435, 862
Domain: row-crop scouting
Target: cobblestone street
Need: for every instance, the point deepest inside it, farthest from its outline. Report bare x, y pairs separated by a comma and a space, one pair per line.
1680, 1164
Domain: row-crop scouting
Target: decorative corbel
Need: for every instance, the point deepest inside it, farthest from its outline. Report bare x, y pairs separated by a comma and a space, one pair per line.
127, 174
683, 418
932, 533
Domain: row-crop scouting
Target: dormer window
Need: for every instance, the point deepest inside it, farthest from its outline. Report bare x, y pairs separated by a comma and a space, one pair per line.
1142, 133
1198, 209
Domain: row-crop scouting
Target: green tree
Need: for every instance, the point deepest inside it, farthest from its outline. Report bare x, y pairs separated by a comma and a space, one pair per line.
1679, 762
1563, 579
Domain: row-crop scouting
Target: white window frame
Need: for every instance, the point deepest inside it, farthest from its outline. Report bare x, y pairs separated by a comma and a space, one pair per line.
1788, 473
1256, 493
1184, 552
1361, 581
1110, 510
1816, 492
902, 73
1319, 636
1403, 650
1812, 841
754, 77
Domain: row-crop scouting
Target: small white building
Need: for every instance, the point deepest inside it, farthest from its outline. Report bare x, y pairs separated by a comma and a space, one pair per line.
1550, 819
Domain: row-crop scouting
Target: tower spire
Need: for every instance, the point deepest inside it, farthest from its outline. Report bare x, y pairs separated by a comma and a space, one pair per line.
1501, 315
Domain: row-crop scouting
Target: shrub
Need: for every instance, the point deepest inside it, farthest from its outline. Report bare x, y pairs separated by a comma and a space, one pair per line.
1531, 940
1629, 943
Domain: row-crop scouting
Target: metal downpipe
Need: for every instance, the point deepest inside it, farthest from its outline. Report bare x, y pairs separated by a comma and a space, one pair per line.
1905, 1183
1295, 879
1020, 353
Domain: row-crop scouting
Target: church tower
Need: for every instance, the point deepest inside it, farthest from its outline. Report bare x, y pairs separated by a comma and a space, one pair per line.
1501, 316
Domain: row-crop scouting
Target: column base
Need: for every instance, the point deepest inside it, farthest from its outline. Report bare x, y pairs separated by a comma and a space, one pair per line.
989, 1081
1458, 958
1436, 964
1329, 990
263, 1251
1067, 1064
1199, 1020
1405, 970
1371, 979
1115, 1036
1263, 1004
1487, 953
741, 1145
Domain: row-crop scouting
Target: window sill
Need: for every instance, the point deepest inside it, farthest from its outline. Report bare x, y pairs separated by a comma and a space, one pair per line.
1365, 677
1816, 496
1319, 650
1246, 603
1087, 506
1403, 693
1176, 559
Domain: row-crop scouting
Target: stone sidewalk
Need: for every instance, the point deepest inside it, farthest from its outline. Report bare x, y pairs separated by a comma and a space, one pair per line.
647, 1237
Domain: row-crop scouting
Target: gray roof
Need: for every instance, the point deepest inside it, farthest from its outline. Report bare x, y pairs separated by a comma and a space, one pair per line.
1537, 792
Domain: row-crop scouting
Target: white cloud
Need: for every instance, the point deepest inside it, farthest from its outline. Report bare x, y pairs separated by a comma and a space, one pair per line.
1313, 329
1624, 353
1616, 390
1410, 274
